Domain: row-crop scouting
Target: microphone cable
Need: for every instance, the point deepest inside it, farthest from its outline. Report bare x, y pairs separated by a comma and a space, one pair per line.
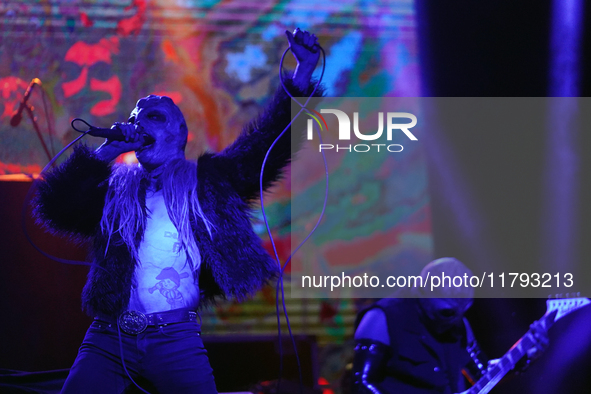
283, 266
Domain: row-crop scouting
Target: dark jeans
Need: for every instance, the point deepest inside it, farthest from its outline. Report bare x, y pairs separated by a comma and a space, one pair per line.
171, 357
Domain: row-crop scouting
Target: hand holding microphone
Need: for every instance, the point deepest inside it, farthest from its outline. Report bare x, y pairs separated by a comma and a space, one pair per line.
121, 138
118, 132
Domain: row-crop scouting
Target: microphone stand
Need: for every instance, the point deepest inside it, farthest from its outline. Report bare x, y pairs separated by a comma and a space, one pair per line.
29, 109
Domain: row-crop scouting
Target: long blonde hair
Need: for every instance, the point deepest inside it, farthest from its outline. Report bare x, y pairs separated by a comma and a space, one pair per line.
123, 211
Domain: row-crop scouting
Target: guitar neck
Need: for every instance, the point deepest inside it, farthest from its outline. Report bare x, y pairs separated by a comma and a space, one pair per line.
506, 363
556, 309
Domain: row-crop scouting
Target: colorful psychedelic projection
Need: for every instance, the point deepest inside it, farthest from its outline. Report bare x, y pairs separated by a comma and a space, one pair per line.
219, 61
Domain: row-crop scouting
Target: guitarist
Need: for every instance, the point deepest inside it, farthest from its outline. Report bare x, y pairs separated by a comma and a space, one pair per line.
423, 345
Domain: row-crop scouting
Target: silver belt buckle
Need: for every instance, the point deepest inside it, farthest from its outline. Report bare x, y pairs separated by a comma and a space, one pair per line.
132, 322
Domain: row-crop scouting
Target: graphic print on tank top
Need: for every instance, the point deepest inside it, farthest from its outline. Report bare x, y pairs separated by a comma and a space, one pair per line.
163, 279
169, 282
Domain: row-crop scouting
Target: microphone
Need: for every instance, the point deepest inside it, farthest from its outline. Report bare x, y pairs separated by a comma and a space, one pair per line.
17, 115
114, 134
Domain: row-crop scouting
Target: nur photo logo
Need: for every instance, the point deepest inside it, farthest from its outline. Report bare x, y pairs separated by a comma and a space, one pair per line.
393, 125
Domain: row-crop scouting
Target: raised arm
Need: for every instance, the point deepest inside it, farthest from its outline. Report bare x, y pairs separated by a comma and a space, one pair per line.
241, 162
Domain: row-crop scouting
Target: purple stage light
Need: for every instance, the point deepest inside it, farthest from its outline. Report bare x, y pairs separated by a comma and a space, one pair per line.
565, 48
562, 168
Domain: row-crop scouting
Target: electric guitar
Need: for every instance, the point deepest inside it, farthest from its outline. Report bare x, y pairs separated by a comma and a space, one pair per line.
555, 309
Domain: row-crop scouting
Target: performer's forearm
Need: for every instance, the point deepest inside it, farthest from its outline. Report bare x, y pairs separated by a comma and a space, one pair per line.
302, 76
368, 366
306, 51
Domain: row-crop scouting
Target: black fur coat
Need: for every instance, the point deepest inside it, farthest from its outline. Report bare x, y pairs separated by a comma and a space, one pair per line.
70, 202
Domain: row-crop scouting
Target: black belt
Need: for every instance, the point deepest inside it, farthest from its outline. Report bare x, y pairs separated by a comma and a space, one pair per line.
135, 322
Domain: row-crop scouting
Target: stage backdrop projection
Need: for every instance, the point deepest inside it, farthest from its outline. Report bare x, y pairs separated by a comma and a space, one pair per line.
219, 61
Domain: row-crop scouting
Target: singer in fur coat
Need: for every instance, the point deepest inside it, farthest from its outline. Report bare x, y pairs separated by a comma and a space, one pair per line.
71, 200
168, 235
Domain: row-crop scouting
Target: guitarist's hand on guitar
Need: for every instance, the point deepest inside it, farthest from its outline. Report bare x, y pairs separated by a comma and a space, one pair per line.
540, 335
528, 347
492, 363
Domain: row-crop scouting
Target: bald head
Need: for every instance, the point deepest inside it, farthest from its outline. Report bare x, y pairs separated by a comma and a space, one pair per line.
445, 306
451, 267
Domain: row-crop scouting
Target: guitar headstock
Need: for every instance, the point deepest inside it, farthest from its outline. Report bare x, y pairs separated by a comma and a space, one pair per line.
565, 306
